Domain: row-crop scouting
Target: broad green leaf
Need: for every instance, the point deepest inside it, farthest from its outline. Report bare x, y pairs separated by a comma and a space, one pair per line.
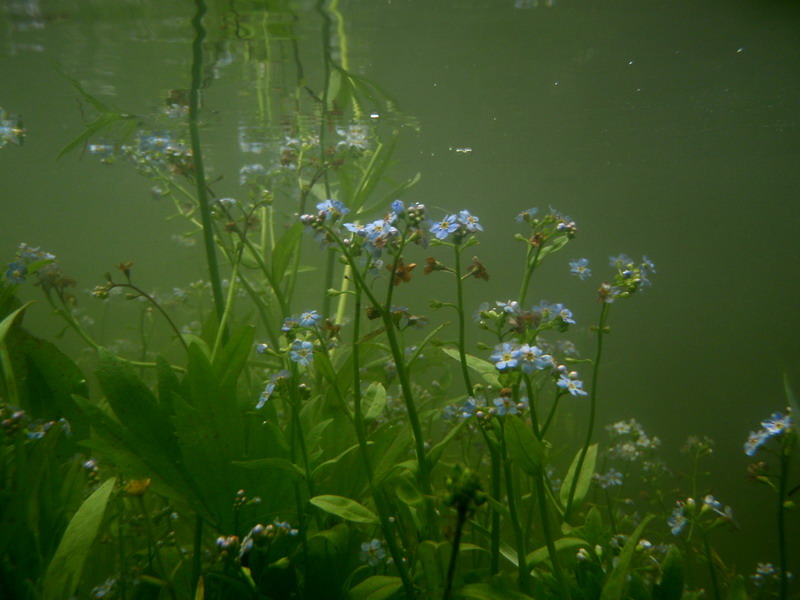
325, 367
168, 383
435, 453
280, 464
432, 569
136, 458
329, 553
671, 585
584, 477
328, 465
64, 572
284, 250
377, 587
12, 387
135, 405
557, 245
407, 491
738, 590
482, 367
540, 555
347, 509
373, 402
6, 323
234, 354
215, 403
498, 507
484, 591
523, 447
614, 588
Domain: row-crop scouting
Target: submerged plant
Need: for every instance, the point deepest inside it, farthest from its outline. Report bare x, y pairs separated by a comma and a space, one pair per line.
346, 446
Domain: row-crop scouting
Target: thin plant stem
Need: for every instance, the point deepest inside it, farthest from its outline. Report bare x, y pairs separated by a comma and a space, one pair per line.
522, 566
782, 486
228, 305
530, 268
451, 568
548, 534
197, 557
601, 330
380, 501
711, 569
151, 536
461, 325
197, 155
153, 302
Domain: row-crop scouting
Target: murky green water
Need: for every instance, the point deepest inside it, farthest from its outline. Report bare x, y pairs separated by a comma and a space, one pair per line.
663, 128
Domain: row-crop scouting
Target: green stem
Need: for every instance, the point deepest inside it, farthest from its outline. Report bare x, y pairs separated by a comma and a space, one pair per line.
361, 435
522, 561
601, 330
402, 373
782, 486
197, 154
530, 268
711, 568
153, 301
197, 557
548, 535
451, 569
223, 324
461, 324
148, 525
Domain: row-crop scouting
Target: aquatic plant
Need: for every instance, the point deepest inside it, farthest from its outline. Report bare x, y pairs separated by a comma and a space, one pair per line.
339, 444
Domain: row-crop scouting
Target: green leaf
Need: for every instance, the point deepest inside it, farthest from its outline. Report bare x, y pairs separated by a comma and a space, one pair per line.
347, 509
374, 401
102, 108
381, 160
280, 464
430, 559
377, 587
671, 585
6, 323
168, 383
482, 367
584, 477
64, 572
407, 491
738, 590
101, 123
325, 367
614, 588
555, 246
484, 591
523, 447
284, 250
135, 405
129, 453
215, 403
435, 453
232, 358
10, 380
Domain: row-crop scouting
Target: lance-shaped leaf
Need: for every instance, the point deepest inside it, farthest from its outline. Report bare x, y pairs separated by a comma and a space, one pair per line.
523, 447
64, 572
484, 368
584, 477
347, 509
